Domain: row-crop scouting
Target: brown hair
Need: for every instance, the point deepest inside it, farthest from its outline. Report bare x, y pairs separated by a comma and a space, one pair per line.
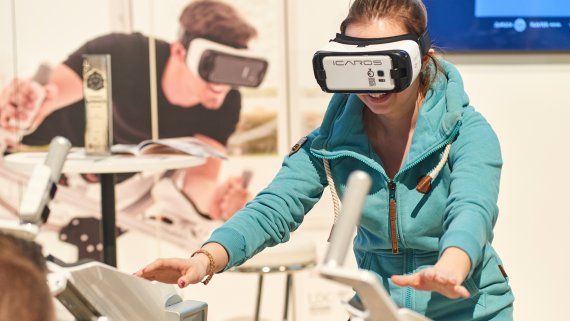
215, 21
23, 282
12, 246
411, 14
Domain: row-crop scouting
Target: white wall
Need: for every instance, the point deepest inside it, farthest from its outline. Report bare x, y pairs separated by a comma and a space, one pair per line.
47, 31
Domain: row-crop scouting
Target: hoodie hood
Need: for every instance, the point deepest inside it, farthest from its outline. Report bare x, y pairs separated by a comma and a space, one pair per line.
342, 131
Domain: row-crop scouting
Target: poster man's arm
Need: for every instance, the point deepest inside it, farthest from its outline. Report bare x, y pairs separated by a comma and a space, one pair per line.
201, 186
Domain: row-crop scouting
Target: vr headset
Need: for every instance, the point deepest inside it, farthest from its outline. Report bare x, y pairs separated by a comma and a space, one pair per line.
221, 64
370, 65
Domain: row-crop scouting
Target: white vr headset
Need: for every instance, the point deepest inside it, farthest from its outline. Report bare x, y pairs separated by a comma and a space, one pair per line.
221, 64
370, 65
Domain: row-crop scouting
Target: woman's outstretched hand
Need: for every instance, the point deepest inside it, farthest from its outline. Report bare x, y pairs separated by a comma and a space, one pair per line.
444, 277
175, 271
432, 279
187, 271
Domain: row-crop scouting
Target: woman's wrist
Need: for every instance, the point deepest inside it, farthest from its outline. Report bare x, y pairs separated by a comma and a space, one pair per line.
219, 254
208, 263
455, 262
212, 258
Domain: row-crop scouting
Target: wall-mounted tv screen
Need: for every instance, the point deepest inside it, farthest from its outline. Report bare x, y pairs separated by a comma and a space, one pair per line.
499, 25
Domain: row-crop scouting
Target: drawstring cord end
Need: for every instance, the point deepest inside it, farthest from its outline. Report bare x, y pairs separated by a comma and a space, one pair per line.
424, 184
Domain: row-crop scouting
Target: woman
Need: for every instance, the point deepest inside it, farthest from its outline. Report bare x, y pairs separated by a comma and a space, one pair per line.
429, 243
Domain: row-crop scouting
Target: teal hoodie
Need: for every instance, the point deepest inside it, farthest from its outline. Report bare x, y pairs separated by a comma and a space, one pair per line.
460, 210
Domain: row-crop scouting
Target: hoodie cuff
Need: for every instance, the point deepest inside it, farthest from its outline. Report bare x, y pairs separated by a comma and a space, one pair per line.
233, 242
464, 241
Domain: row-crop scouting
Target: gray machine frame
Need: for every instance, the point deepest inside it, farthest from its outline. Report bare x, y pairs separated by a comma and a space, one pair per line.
378, 304
94, 291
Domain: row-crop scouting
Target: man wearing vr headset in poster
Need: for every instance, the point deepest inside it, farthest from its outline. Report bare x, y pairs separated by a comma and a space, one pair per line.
198, 76
400, 114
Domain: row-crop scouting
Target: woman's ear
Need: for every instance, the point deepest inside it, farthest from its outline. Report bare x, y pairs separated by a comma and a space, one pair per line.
425, 59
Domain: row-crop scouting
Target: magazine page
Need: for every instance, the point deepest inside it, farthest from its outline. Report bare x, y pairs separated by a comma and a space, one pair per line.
129, 149
182, 145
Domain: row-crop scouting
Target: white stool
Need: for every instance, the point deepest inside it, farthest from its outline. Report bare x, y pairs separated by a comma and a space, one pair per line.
295, 255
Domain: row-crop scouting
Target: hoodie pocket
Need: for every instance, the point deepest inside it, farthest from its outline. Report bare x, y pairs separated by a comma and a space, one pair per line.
475, 293
363, 260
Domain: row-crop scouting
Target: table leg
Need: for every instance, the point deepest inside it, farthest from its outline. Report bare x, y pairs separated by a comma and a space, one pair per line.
108, 225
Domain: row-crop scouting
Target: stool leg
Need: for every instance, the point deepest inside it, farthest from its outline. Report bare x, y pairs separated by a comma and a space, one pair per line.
287, 294
293, 300
258, 304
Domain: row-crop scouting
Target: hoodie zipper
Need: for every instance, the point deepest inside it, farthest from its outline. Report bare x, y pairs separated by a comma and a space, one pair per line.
392, 187
392, 211
393, 204
392, 207
409, 256
409, 290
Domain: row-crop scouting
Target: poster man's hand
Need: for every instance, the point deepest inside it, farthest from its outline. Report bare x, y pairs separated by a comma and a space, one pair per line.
21, 104
230, 197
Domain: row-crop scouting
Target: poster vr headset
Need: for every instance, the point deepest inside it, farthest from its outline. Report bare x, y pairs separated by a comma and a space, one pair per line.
221, 64
370, 65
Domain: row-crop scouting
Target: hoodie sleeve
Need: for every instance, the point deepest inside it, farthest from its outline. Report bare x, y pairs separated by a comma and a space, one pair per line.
472, 208
277, 210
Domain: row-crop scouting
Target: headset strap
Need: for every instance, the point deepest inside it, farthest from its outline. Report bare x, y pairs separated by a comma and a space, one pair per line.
424, 40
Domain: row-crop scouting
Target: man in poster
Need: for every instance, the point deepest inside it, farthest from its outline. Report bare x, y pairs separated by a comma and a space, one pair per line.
188, 105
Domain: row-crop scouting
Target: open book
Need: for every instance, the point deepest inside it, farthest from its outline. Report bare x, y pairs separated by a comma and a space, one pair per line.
178, 145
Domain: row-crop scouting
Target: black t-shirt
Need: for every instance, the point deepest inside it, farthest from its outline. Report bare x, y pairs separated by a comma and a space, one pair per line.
131, 99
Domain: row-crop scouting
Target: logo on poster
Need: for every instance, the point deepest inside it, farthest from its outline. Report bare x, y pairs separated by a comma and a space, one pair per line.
520, 25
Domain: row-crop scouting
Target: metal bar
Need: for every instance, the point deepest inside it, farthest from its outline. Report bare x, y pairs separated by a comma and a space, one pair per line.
287, 294
108, 225
258, 304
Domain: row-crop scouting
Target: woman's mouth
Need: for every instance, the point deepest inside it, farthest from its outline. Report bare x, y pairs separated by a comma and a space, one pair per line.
379, 97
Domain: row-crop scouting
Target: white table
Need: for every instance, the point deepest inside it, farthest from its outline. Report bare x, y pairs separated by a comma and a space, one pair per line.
106, 167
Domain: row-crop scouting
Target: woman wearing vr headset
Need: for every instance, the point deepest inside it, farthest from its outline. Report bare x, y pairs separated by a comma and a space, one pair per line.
427, 224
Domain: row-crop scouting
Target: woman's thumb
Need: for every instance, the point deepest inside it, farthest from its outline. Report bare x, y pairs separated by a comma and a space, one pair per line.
186, 279
183, 281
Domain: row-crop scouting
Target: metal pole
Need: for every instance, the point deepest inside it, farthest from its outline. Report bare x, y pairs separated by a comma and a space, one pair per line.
108, 225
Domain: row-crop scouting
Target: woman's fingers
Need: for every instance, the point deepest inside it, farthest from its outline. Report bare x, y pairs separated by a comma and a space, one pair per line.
189, 278
173, 271
163, 270
182, 281
432, 280
406, 280
164, 276
428, 274
156, 265
461, 291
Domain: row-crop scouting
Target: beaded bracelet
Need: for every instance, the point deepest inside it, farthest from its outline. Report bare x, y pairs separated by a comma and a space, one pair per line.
211, 266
